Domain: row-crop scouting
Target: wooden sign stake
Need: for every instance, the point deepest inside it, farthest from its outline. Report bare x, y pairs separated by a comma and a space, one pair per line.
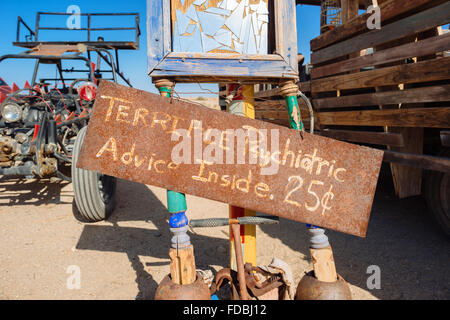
322, 259
243, 104
182, 260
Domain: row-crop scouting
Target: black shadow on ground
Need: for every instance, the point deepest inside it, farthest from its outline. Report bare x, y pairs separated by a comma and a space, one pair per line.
402, 239
22, 191
143, 205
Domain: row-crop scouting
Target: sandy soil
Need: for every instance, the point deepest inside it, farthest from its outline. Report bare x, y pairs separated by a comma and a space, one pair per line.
127, 256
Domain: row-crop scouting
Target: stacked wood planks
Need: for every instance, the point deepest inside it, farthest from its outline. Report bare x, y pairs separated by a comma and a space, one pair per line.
397, 97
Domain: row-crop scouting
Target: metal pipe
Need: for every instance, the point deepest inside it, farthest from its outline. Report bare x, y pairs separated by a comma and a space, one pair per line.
51, 133
236, 228
220, 222
35, 72
25, 170
311, 110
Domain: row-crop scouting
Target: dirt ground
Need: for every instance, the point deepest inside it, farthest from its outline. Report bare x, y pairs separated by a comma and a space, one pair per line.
127, 256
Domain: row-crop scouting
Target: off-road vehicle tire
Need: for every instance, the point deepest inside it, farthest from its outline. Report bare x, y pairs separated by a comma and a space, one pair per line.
94, 193
437, 194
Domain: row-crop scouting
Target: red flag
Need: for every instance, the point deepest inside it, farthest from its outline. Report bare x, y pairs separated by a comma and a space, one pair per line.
27, 85
15, 87
2, 97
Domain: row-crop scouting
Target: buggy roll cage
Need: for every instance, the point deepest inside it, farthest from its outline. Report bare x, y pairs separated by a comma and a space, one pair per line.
100, 46
57, 58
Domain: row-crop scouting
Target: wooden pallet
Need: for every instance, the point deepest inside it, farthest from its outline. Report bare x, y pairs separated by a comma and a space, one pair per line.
396, 98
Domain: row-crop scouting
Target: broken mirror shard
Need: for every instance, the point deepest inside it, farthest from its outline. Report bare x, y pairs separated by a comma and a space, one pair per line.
214, 26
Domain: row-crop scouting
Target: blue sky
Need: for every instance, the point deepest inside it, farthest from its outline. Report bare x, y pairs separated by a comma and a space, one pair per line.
133, 63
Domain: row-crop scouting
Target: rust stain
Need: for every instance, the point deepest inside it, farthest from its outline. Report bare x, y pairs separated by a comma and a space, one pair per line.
319, 181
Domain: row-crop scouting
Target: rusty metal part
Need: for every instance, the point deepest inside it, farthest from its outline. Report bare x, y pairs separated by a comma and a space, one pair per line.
53, 50
9, 149
239, 260
309, 288
48, 167
168, 290
227, 274
219, 222
259, 289
129, 137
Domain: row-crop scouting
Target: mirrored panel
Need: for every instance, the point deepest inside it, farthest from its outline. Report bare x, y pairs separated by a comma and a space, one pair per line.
220, 26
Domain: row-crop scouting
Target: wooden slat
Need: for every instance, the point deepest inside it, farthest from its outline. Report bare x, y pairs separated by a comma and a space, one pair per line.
267, 93
417, 160
156, 49
225, 56
423, 117
318, 2
279, 115
349, 10
286, 42
379, 138
389, 10
270, 105
431, 70
197, 67
419, 95
274, 105
407, 180
410, 50
304, 86
436, 16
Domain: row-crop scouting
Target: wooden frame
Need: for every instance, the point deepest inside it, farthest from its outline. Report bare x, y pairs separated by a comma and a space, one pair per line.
214, 67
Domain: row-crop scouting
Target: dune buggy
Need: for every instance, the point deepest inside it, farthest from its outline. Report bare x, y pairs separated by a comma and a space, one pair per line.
43, 124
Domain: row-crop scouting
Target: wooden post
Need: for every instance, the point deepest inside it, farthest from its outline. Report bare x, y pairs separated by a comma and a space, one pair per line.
322, 259
243, 104
323, 264
182, 265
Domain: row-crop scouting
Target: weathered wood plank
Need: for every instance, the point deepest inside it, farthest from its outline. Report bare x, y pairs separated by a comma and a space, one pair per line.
407, 180
410, 50
379, 138
389, 10
318, 2
155, 34
280, 115
267, 93
286, 41
274, 105
418, 95
219, 68
423, 117
225, 56
417, 160
349, 10
436, 16
431, 70
303, 86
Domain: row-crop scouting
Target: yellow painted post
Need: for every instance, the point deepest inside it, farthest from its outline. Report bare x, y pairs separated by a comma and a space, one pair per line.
243, 104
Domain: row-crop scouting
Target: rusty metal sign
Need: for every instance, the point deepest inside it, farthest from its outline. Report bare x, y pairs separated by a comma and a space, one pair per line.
181, 146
